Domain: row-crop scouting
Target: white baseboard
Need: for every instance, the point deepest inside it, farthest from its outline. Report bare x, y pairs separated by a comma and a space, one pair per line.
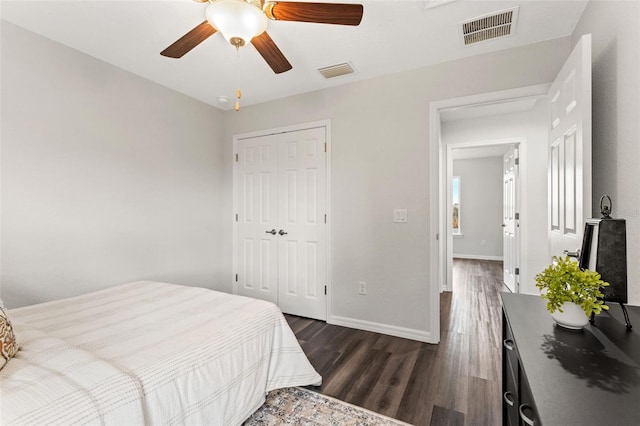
477, 257
376, 327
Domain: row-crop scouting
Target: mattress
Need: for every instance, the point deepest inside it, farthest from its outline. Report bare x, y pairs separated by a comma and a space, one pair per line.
148, 353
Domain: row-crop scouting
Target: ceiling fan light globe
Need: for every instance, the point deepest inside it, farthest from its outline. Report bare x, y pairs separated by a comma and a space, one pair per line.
236, 20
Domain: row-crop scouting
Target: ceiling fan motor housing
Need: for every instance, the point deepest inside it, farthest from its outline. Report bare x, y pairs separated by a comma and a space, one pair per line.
239, 21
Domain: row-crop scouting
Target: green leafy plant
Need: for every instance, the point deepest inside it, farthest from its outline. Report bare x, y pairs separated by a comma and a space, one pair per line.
564, 281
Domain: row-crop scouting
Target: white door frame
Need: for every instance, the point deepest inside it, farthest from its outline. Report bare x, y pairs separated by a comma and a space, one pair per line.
326, 124
438, 219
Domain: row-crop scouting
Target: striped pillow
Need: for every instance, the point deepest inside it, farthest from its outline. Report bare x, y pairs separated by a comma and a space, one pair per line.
8, 344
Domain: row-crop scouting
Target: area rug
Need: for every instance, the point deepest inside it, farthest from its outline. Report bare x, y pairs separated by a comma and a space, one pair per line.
298, 406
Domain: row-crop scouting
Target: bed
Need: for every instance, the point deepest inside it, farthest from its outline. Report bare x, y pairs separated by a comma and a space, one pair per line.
148, 353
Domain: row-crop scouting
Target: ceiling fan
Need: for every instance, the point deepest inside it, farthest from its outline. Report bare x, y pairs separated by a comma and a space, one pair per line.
246, 21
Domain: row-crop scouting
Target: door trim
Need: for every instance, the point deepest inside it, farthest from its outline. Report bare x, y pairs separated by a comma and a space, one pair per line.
437, 194
326, 124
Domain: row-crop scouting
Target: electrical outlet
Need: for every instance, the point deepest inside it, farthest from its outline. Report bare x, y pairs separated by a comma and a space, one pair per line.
362, 288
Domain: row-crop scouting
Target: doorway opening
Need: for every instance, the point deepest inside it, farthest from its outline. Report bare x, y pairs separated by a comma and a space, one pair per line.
467, 111
484, 205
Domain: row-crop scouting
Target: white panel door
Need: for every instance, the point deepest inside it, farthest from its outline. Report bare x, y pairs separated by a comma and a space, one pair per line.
509, 221
281, 244
570, 151
257, 195
302, 246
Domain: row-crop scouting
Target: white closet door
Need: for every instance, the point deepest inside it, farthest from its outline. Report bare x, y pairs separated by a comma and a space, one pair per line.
302, 270
281, 245
257, 195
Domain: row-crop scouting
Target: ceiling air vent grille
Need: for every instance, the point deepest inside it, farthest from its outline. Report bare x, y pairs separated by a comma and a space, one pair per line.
336, 70
498, 24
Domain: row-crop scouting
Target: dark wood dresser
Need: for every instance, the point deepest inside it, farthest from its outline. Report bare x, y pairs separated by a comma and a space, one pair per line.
557, 377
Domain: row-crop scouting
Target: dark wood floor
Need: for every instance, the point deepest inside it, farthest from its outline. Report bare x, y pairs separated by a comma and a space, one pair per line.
456, 382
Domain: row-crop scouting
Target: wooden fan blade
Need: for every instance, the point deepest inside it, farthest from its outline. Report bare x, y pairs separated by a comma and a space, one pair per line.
323, 13
271, 53
190, 40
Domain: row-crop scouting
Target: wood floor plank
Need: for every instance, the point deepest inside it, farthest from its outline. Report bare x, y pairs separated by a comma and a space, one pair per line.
391, 382
444, 416
456, 382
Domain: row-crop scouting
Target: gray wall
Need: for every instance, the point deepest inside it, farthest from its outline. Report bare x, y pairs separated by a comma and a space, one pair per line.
380, 161
480, 208
106, 177
616, 104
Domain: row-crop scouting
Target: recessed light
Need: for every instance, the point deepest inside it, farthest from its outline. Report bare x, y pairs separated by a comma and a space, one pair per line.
223, 99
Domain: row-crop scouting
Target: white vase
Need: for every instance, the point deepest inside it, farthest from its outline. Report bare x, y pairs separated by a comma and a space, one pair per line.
572, 317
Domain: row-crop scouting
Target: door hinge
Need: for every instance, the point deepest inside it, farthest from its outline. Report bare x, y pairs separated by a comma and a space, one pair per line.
325, 147
517, 161
325, 289
437, 237
517, 216
236, 158
517, 271
325, 218
236, 277
236, 217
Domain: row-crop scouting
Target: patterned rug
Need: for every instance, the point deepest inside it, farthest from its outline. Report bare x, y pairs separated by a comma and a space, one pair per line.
297, 406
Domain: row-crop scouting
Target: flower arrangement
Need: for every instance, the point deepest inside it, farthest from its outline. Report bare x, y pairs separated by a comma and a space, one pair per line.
564, 281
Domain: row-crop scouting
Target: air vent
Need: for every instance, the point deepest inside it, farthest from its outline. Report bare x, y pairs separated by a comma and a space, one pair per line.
487, 27
336, 70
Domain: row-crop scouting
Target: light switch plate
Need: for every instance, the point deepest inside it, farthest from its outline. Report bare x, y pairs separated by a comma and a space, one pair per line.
400, 215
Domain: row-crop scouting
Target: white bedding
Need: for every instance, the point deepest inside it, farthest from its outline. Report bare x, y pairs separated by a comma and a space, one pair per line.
148, 353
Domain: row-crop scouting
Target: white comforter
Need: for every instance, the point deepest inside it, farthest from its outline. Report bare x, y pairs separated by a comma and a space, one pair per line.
148, 353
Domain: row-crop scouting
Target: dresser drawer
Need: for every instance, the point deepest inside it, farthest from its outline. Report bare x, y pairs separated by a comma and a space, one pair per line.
510, 401
509, 350
526, 408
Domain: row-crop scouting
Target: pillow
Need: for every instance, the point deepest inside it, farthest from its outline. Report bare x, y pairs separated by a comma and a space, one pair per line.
8, 344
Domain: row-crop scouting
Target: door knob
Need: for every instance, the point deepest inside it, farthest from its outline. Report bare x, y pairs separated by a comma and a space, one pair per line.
282, 232
272, 232
504, 225
575, 254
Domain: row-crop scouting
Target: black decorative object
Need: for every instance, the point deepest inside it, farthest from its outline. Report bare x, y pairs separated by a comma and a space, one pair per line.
604, 249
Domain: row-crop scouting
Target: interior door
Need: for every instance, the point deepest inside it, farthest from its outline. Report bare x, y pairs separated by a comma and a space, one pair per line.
510, 219
257, 218
302, 266
570, 151
281, 245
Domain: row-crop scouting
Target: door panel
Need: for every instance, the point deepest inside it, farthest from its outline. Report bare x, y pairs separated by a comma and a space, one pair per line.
570, 151
257, 214
303, 268
509, 222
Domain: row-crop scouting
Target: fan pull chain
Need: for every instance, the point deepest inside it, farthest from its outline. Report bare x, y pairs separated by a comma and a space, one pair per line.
238, 92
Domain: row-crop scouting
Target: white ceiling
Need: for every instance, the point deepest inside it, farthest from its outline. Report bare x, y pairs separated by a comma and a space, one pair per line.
394, 36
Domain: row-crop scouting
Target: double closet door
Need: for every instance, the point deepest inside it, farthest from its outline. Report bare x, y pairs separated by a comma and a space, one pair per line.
281, 236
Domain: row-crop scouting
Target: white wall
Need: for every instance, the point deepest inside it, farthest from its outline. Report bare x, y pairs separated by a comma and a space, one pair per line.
380, 161
480, 208
106, 177
615, 30
531, 127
